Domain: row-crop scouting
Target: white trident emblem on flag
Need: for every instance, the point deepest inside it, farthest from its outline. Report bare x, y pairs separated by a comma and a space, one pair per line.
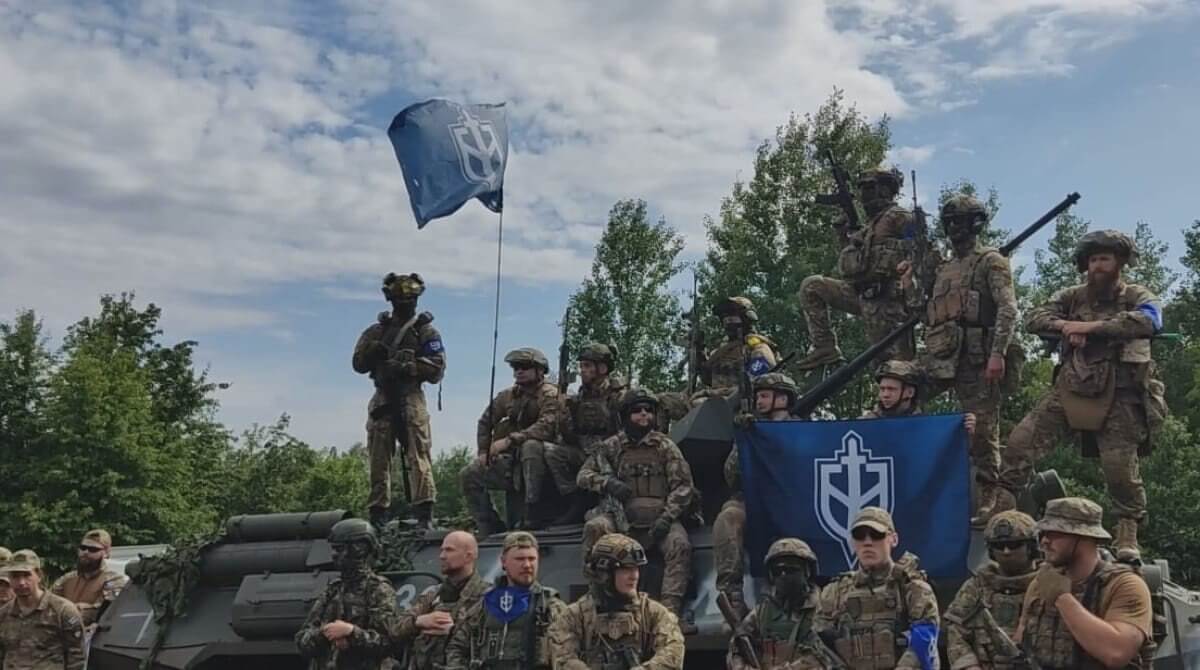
868, 481
506, 602
480, 155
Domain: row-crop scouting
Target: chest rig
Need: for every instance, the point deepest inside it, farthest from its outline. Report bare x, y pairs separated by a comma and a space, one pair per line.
591, 413
869, 259
961, 312
727, 363
784, 635
615, 640
872, 620
1004, 598
643, 467
515, 645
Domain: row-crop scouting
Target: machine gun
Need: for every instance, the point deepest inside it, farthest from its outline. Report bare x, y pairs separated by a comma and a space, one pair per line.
745, 646
823, 390
842, 196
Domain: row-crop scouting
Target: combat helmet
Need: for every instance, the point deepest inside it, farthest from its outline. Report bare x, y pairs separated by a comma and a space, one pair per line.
777, 381
880, 174
528, 356
736, 306
354, 531
638, 396
906, 371
1100, 241
1011, 526
403, 287
598, 352
963, 205
790, 547
613, 551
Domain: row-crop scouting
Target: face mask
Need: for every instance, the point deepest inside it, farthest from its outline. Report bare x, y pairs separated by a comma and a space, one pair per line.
351, 559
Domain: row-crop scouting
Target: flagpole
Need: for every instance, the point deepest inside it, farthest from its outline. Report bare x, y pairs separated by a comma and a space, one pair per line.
496, 318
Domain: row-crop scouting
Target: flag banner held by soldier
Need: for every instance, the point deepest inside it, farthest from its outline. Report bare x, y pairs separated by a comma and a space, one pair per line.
450, 153
808, 479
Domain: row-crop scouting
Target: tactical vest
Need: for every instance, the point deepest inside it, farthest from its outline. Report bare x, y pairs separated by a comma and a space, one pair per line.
727, 364
352, 603
512, 646
615, 640
1048, 640
429, 651
872, 621
958, 309
784, 637
590, 412
643, 468
406, 351
869, 258
1003, 597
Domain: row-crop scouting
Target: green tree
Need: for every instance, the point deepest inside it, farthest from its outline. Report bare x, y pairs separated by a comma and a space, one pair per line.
451, 507
625, 301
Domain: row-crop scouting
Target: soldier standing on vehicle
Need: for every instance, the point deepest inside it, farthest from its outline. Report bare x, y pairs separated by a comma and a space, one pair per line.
870, 268
428, 624
780, 629
1106, 388
745, 352
774, 395
91, 584
999, 589
592, 415
507, 629
516, 439
614, 625
867, 615
644, 471
401, 352
349, 626
38, 630
1080, 610
970, 319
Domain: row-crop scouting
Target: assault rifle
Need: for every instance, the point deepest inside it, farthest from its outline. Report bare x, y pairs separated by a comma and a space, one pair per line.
394, 408
923, 270
1000, 639
694, 338
745, 647
564, 357
842, 196
824, 389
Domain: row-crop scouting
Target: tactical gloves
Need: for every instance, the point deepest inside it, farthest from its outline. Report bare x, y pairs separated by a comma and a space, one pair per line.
1050, 583
618, 489
659, 530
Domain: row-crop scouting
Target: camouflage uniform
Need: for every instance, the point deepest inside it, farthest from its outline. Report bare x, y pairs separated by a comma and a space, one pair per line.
428, 652
908, 374
729, 528
780, 632
662, 492
400, 352
868, 614
528, 417
91, 592
7, 594
1108, 389
1044, 634
359, 597
752, 354
869, 286
483, 640
970, 641
971, 315
605, 631
47, 637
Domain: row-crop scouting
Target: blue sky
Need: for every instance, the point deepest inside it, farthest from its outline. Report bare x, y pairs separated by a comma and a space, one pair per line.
231, 164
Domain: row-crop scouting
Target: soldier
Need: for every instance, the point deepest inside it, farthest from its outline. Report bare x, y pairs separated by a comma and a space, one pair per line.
900, 393
744, 351
350, 624
969, 325
6, 592
1082, 611
428, 624
614, 625
1106, 386
91, 584
774, 395
592, 415
867, 614
870, 269
400, 352
780, 629
993, 596
38, 630
514, 437
644, 470
507, 629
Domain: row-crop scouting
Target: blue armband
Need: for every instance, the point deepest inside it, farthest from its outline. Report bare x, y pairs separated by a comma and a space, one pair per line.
1152, 310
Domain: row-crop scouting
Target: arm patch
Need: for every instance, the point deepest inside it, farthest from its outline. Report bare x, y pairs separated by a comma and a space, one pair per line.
432, 347
1152, 310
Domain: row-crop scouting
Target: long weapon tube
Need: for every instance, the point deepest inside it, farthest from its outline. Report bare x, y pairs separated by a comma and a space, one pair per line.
828, 386
496, 317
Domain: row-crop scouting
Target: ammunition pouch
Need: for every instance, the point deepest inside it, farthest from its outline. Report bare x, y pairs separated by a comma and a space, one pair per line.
854, 260
944, 340
870, 648
1084, 377
643, 512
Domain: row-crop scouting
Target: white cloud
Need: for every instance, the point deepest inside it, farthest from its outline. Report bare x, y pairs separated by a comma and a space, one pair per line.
907, 157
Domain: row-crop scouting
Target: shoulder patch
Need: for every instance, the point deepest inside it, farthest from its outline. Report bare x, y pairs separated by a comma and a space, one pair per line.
754, 340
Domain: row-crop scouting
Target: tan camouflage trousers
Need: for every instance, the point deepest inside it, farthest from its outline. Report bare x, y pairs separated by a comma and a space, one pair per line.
729, 530
880, 316
382, 446
536, 459
1123, 432
983, 399
675, 547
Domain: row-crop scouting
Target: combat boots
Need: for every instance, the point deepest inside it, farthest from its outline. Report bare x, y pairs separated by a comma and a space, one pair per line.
1126, 542
675, 604
422, 514
993, 500
823, 353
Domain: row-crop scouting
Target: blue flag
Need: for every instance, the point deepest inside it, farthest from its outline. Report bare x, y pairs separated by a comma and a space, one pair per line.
808, 479
451, 153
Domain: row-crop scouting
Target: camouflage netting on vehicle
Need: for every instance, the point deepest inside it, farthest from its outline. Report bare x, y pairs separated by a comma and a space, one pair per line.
168, 582
399, 543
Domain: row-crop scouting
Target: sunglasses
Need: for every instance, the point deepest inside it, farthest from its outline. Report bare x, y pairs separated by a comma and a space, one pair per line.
90, 549
784, 570
863, 532
639, 409
523, 366
1009, 545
